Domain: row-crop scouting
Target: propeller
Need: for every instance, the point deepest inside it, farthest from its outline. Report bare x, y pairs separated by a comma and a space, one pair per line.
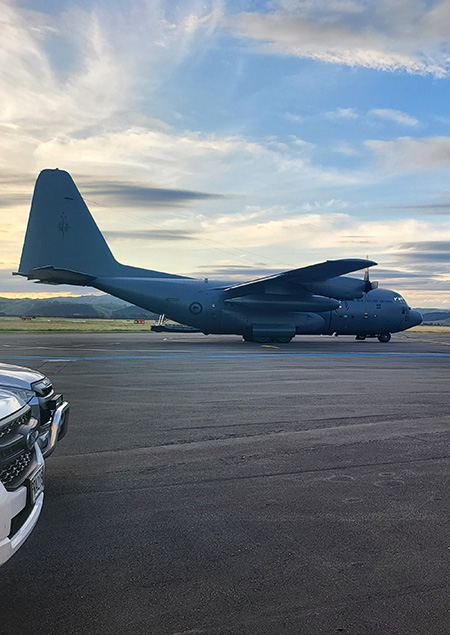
368, 286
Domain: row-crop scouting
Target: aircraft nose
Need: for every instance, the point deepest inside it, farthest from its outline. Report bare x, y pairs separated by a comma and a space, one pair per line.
415, 318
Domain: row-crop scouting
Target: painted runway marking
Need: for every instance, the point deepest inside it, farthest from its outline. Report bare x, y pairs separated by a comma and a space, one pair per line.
229, 356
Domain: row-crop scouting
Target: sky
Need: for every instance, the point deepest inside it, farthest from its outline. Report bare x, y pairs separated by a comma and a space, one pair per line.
235, 138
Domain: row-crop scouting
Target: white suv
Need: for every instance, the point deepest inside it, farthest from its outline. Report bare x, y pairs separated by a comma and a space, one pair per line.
21, 473
49, 408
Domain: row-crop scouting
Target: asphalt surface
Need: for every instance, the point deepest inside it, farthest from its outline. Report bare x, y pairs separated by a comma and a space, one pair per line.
211, 486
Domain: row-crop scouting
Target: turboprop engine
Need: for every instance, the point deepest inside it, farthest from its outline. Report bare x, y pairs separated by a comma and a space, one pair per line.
341, 288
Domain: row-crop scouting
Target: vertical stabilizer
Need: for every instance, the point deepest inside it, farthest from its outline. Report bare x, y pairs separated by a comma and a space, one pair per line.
61, 232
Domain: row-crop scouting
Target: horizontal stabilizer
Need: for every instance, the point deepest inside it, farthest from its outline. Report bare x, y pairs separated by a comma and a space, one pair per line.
51, 275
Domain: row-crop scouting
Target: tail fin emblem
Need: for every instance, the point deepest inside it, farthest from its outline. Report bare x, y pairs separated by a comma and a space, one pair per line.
63, 225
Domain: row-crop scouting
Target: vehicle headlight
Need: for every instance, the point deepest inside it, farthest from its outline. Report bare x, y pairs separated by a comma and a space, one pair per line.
43, 387
25, 395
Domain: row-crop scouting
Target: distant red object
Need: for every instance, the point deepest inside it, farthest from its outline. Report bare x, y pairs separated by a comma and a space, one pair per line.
139, 321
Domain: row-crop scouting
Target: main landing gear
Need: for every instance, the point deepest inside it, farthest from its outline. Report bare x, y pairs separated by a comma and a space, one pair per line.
383, 337
259, 339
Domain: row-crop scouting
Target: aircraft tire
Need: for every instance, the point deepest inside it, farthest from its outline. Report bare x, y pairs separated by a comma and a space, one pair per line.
282, 340
260, 339
384, 337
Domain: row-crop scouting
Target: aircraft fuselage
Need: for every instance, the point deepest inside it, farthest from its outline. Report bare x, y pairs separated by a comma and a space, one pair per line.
205, 305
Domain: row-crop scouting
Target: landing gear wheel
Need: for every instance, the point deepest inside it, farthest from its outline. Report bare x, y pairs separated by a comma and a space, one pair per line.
283, 340
260, 339
384, 337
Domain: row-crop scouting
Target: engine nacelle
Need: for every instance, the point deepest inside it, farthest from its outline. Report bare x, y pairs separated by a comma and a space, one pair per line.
340, 288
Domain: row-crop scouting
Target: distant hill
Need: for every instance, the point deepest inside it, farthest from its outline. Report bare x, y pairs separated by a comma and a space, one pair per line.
43, 308
88, 306
436, 316
132, 312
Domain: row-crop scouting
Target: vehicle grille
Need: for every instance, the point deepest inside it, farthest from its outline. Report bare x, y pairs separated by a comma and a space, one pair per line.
24, 419
15, 455
12, 470
7, 429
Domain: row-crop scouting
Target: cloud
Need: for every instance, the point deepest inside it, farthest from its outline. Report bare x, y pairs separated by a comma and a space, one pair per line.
431, 246
394, 115
397, 274
240, 272
440, 209
147, 235
234, 164
133, 195
342, 113
48, 89
36, 95
407, 154
407, 36
346, 149
429, 252
293, 118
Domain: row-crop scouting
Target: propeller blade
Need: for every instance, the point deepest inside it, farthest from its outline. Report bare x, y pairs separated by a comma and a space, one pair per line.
368, 285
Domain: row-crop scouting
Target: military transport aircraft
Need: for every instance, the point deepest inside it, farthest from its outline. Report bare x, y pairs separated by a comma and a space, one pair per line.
63, 245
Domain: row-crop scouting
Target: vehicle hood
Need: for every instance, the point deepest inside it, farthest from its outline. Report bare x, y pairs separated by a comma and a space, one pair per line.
9, 403
18, 376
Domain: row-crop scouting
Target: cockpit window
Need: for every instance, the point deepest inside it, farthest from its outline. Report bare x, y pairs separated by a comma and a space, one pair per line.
398, 298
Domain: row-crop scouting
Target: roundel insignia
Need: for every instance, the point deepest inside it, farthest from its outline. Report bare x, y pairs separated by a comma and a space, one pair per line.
195, 308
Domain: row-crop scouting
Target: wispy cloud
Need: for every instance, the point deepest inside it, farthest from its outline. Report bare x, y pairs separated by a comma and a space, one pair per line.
293, 118
434, 246
342, 113
148, 235
410, 154
394, 115
133, 195
441, 209
408, 36
97, 83
346, 149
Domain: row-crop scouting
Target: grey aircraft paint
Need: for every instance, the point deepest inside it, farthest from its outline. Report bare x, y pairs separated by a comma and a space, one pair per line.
63, 245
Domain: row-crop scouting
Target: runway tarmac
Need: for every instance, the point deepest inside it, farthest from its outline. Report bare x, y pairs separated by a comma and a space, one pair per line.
211, 486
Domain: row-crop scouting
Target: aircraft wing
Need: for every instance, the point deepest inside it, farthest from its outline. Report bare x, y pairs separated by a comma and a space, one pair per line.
312, 273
